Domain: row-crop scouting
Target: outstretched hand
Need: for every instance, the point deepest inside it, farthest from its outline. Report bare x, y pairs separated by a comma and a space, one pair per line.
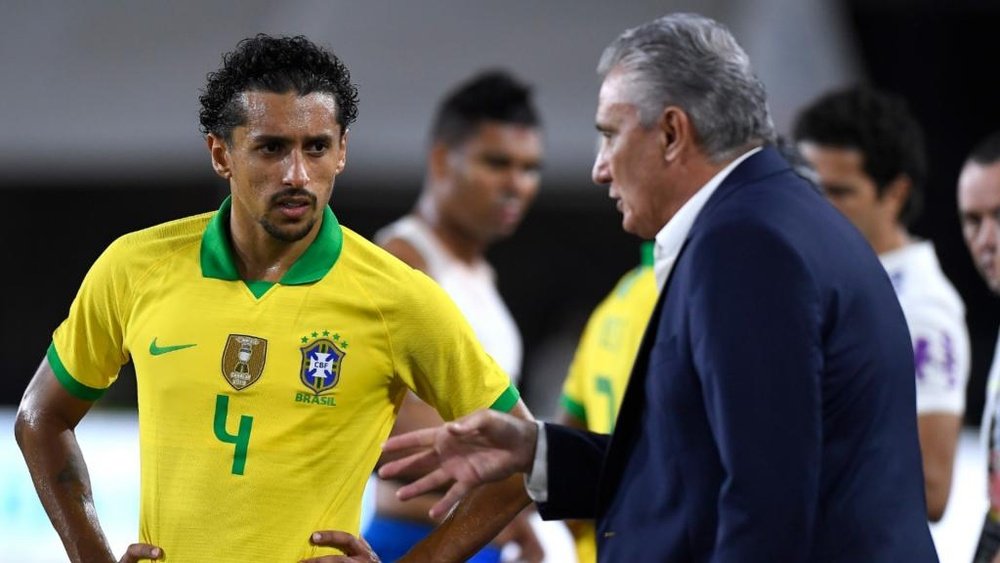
482, 447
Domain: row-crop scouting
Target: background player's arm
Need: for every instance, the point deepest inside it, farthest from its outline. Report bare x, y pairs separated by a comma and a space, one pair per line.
941, 359
938, 433
44, 430
477, 518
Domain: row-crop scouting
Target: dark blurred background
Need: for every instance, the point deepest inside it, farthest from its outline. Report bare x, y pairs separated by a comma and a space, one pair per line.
98, 133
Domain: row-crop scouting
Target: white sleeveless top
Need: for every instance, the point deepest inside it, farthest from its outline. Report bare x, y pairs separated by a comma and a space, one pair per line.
472, 287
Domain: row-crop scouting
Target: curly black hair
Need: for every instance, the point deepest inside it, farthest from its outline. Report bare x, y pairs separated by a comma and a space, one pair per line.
274, 64
493, 95
880, 126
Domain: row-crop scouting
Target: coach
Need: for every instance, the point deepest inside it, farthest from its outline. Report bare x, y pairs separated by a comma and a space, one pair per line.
770, 414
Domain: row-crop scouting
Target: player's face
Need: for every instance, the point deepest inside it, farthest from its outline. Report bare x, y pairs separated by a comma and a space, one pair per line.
630, 162
281, 164
849, 188
491, 179
979, 210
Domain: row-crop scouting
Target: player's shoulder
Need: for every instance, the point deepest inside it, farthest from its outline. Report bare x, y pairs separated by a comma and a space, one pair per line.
922, 285
373, 266
396, 292
165, 237
638, 282
151, 245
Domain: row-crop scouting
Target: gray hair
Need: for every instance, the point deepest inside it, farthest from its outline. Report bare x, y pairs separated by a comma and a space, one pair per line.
693, 62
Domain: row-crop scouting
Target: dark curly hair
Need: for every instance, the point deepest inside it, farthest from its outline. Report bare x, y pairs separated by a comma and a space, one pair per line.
274, 64
492, 95
880, 126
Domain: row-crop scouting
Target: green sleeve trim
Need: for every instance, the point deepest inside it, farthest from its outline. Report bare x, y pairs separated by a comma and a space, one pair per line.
575, 409
506, 400
75, 388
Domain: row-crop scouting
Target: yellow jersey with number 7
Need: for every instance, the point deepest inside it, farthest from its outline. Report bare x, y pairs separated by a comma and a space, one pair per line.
602, 364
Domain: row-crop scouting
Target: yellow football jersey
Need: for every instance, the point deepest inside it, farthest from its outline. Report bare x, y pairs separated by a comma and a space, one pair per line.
262, 406
601, 366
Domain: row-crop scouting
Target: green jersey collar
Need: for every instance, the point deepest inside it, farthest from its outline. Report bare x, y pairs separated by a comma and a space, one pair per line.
217, 260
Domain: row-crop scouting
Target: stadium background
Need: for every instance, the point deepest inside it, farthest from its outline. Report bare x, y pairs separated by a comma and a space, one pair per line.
98, 137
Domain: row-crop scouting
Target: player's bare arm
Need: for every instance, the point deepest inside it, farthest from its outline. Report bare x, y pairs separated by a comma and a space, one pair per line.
938, 439
45, 432
481, 511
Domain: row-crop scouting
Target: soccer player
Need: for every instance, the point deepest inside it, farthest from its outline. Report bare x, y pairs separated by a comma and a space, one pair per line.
272, 345
482, 175
979, 211
593, 390
868, 152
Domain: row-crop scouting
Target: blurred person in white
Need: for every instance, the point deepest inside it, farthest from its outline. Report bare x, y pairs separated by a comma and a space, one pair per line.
482, 175
979, 211
868, 152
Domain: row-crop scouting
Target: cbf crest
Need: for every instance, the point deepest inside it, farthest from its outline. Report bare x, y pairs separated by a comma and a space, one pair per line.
243, 360
322, 358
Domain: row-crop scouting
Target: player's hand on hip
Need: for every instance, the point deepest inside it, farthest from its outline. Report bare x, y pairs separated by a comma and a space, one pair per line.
482, 447
355, 549
141, 551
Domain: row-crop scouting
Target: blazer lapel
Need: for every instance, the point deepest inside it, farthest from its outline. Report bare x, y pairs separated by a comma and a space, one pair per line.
627, 426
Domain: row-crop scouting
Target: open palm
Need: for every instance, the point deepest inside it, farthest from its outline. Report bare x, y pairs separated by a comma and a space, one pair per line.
482, 447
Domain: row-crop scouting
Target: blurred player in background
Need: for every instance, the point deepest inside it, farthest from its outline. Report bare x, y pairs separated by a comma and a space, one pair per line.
979, 211
482, 176
272, 346
593, 390
868, 152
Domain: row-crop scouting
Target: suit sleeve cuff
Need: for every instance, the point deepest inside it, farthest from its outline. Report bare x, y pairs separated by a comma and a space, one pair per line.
537, 482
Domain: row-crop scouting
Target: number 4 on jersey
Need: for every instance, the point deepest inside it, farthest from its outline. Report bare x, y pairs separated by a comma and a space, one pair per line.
241, 439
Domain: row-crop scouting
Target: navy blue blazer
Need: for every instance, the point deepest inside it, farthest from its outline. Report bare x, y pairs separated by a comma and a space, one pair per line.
771, 414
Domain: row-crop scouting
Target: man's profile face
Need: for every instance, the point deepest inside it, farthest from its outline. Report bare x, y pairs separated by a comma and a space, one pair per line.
283, 161
979, 211
847, 186
491, 179
630, 160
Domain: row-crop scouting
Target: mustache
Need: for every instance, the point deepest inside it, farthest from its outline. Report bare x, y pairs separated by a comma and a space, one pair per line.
293, 193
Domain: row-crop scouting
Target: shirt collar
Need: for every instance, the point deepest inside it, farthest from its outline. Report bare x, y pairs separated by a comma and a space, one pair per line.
217, 260
671, 237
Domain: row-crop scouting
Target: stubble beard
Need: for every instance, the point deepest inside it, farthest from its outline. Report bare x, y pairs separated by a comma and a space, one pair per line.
287, 235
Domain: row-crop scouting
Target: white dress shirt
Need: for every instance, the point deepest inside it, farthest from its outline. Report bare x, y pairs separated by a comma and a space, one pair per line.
667, 246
